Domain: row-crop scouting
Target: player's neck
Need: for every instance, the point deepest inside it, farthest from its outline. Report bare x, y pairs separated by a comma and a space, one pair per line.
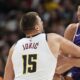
32, 34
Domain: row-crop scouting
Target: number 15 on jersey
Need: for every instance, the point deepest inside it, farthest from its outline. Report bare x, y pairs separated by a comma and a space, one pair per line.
29, 63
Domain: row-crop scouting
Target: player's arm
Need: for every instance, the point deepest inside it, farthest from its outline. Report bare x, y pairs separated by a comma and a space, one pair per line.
58, 43
64, 64
9, 73
68, 62
68, 47
70, 32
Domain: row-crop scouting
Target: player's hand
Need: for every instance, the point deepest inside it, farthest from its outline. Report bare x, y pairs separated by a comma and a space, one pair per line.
68, 78
58, 77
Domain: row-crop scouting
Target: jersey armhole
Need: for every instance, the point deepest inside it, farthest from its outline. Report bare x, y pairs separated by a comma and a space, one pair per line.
46, 37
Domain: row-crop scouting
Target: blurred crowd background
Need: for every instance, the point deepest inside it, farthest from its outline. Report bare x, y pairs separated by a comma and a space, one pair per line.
56, 14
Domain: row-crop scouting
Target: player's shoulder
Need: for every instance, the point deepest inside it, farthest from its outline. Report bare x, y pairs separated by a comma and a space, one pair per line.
54, 37
21, 41
72, 26
11, 50
70, 30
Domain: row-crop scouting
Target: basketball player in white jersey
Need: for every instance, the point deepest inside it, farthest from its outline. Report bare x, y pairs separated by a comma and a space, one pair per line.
35, 56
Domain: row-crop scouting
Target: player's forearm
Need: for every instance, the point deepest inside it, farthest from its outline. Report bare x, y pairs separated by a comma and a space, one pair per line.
70, 49
76, 62
63, 68
76, 53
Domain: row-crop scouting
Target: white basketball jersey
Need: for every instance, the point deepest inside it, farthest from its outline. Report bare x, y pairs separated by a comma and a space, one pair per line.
33, 60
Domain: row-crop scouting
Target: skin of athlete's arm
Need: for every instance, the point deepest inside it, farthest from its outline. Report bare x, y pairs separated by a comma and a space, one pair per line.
70, 62
64, 64
9, 73
69, 34
58, 43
